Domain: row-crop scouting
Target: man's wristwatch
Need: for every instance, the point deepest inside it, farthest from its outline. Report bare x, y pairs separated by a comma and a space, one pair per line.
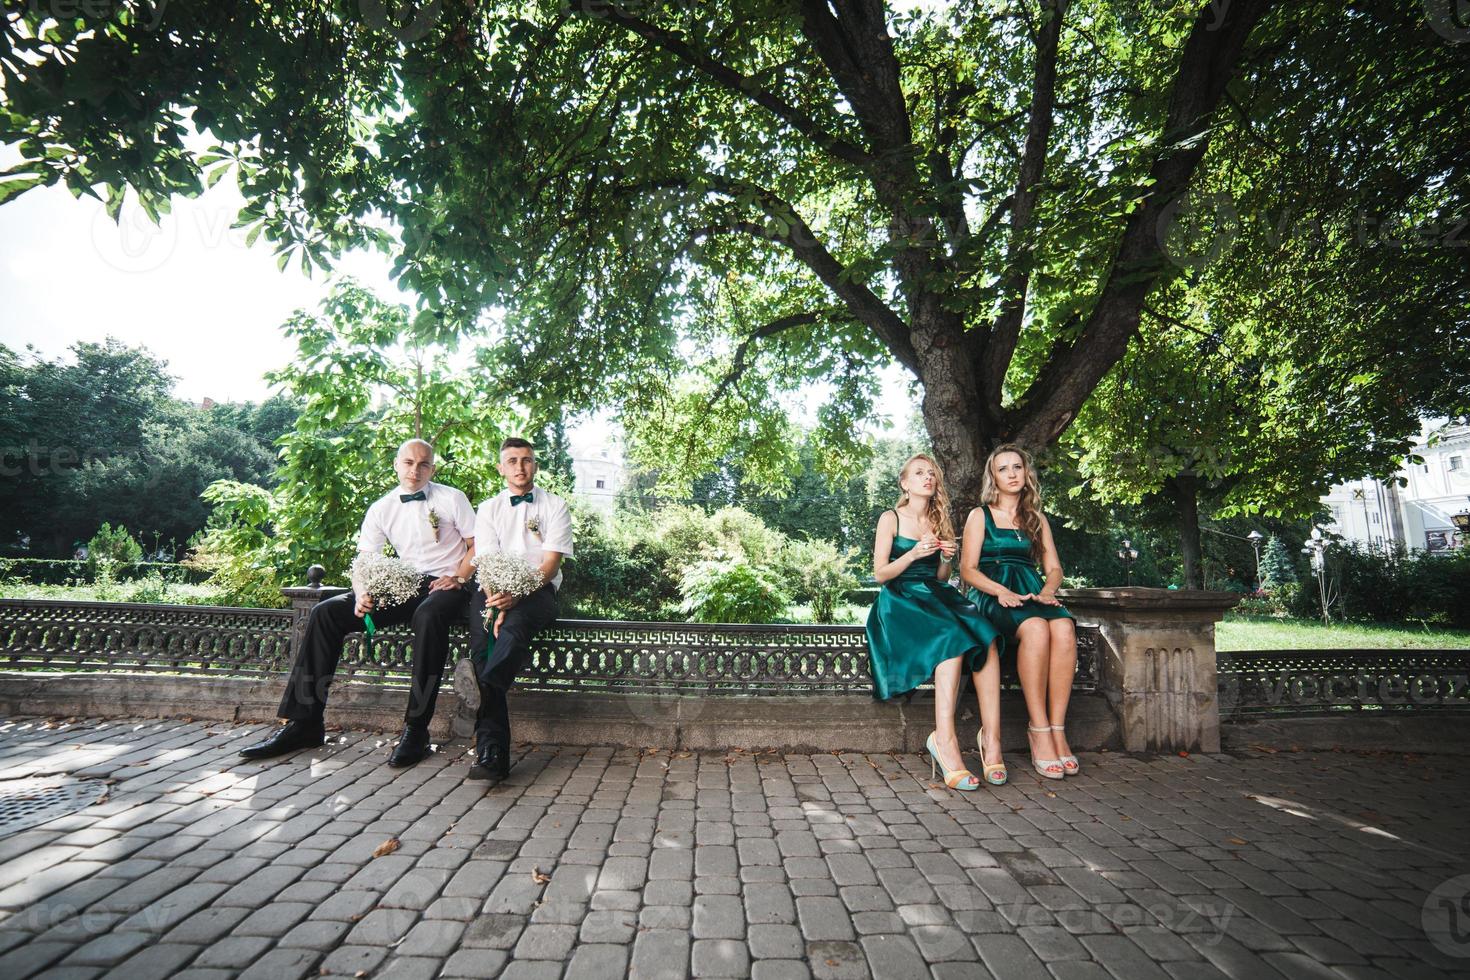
461, 580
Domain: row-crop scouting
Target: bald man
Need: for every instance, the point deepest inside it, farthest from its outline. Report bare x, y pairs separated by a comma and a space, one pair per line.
431, 526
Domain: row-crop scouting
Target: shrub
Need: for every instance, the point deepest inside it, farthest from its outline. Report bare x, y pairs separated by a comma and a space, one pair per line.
819, 574
730, 589
112, 547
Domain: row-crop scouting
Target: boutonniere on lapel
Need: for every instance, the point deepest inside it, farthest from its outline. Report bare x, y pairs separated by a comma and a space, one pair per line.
533, 525
434, 523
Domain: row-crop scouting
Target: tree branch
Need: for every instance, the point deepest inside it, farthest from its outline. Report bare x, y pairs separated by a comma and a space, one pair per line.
732, 80
1001, 343
1209, 61
788, 228
737, 367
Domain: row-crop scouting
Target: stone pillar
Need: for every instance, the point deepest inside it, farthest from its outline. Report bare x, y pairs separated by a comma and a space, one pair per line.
1156, 653
303, 599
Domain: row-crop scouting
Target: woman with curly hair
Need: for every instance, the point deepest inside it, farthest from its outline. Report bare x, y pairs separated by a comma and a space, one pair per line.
921, 626
1006, 539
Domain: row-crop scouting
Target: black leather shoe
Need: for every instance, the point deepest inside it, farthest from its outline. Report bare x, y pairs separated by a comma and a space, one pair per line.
413, 745
288, 738
492, 761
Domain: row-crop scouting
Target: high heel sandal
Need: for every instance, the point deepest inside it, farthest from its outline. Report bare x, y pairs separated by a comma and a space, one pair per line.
1047, 768
995, 774
961, 779
1070, 766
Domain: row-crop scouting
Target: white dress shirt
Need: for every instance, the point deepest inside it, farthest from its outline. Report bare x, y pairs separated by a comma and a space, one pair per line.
501, 527
408, 528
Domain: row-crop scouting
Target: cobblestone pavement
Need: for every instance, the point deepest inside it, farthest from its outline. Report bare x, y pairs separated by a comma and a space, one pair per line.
596, 862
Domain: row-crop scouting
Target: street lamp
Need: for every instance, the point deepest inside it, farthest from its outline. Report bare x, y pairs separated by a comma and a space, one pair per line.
1316, 547
1129, 555
1255, 538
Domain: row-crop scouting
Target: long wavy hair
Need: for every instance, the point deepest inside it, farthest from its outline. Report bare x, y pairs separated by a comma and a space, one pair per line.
1028, 506
938, 513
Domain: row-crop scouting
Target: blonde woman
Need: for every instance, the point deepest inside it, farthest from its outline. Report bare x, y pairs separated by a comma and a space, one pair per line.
921, 626
1006, 538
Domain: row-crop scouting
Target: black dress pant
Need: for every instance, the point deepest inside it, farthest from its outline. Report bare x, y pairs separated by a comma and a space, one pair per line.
508, 653
431, 615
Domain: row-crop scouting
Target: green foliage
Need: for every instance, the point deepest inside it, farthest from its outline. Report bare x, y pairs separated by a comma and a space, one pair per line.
698, 208
1402, 586
1277, 566
731, 589
819, 574
361, 395
111, 547
97, 439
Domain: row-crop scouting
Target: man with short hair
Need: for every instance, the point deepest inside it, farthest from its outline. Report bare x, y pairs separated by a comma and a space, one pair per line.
526, 520
432, 527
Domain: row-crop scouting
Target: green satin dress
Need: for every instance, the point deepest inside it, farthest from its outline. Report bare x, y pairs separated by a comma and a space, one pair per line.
918, 622
1006, 557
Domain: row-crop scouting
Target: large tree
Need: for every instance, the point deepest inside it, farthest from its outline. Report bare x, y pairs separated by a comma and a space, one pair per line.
685, 207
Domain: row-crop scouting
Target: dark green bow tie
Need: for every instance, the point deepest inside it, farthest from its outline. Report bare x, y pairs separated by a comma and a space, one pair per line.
521, 498
406, 497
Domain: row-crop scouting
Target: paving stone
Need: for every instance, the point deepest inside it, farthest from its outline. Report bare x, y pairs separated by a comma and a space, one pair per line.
824, 919
608, 926
780, 970
317, 934
659, 954
233, 951
835, 960
545, 942
354, 960
479, 963
110, 949
494, 931
160, 960
720, 958
895, 957
598, 961
274, 919
718, 917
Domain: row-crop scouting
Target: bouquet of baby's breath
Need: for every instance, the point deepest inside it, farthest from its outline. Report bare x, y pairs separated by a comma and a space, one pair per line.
390, 581
504, 571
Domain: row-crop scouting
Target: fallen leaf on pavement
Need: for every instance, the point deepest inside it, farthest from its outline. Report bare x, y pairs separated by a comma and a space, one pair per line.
539, 876
387, 847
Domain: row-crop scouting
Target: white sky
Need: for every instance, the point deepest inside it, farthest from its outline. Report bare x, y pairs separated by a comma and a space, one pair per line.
189, 290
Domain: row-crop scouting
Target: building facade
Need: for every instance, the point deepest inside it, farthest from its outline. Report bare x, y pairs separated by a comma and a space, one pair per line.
598, 475
1416, 515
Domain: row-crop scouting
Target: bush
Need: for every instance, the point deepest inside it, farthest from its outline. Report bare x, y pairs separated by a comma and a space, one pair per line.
818, 574
617, 572
730, 589
111, 547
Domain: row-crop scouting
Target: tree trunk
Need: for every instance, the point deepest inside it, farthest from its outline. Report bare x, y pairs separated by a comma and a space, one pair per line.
952, 409
1185, 490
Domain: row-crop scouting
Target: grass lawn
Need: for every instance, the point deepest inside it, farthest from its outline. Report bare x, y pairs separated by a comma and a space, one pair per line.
145, 590
1242, 633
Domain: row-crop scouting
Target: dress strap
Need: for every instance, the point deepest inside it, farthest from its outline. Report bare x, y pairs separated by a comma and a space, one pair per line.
989, 519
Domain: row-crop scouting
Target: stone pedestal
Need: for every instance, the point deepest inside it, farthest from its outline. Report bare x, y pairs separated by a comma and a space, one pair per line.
303, 599
1157, 656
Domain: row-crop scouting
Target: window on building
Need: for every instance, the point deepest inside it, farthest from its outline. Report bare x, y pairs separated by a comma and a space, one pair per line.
602, 484
1375, 519
1456, 462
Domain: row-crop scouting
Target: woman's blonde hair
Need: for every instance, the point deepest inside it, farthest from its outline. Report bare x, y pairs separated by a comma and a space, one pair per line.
1028, 505
938, 514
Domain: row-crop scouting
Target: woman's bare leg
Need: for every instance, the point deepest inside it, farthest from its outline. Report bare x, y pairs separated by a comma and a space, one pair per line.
1033, 663
987, 697
946, 693
1062, 671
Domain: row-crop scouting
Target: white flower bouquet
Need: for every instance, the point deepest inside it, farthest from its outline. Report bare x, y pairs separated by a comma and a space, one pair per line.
390, 582
504, 571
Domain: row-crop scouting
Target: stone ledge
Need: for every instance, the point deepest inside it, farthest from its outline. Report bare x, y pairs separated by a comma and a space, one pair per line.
838, 722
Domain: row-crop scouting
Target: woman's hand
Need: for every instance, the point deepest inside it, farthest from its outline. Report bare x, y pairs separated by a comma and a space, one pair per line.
1047, 598
928, 544
1009, 599
947, 548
